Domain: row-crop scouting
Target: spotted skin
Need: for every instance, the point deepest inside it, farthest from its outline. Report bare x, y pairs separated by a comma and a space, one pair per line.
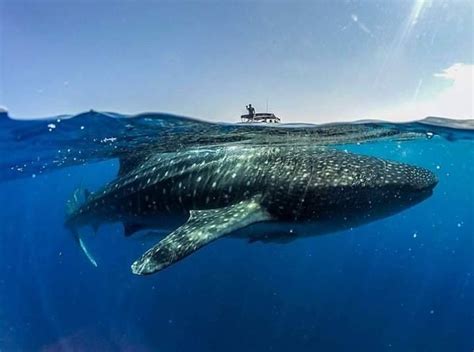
294, 185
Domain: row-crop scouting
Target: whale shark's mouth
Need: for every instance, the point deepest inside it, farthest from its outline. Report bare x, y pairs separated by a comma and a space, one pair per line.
414, 194
423, 194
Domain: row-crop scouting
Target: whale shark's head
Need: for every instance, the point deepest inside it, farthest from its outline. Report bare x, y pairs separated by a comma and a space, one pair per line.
418, 179
406, 186
398, 188
359, 187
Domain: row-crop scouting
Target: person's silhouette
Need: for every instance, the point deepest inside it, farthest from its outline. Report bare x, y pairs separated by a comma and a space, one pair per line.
251, 111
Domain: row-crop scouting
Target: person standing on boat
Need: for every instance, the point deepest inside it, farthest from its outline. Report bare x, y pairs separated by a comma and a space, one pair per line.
251, 111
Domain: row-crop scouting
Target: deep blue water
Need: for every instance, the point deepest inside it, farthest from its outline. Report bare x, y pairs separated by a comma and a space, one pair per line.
404, 283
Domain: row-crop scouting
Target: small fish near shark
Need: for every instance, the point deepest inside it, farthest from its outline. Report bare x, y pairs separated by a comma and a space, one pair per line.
262, 193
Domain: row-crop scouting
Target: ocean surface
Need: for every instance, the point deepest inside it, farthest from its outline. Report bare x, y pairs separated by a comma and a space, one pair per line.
403, 283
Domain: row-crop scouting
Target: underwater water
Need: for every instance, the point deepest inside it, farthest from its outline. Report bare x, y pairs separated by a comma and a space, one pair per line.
401, 283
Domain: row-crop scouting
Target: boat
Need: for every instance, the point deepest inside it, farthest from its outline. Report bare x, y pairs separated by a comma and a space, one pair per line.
259, 117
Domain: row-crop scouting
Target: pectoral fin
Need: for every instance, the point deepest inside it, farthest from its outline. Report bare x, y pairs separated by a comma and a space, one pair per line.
202, 227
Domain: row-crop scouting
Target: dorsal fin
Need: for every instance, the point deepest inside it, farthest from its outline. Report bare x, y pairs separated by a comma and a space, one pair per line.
203, 227
78, 198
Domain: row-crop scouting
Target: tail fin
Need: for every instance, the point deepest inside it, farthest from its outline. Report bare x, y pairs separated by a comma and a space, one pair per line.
80, 242
78, 198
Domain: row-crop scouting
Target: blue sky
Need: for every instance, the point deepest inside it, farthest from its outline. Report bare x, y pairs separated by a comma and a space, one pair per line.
314, 61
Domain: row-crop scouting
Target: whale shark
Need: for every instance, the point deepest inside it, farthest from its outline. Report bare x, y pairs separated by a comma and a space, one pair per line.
258, 192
